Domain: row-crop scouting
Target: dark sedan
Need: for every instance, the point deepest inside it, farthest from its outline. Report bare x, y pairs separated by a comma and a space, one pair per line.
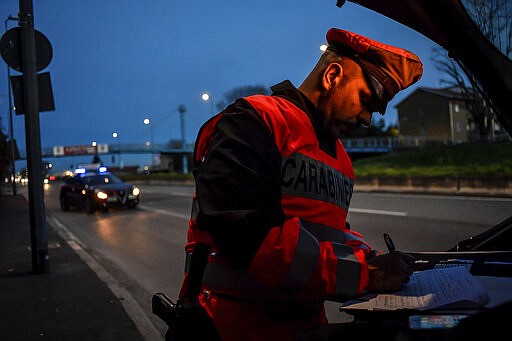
97, 189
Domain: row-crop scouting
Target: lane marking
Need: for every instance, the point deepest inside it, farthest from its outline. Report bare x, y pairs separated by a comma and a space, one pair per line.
355, 210
362, 210
156, 191
129, 303
157, 210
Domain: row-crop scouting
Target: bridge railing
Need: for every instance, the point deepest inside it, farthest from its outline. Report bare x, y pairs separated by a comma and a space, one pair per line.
361, 144
370, 142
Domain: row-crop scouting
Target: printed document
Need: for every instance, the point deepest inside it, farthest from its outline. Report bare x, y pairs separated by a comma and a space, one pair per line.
451, 287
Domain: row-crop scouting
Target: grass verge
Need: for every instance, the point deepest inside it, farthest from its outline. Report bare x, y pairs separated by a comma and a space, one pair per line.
464, 160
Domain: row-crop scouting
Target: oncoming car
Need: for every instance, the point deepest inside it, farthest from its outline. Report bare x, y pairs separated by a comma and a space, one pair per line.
96, 188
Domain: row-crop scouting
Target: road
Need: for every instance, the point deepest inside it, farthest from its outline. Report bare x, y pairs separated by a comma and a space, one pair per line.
143, 249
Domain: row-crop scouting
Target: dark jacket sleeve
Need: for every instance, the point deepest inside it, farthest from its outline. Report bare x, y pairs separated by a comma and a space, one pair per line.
238, 184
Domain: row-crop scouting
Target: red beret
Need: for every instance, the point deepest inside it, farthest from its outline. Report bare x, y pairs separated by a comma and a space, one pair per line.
389, 69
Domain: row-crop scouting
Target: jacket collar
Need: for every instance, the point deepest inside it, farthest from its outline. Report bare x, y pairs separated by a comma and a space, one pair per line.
288, 91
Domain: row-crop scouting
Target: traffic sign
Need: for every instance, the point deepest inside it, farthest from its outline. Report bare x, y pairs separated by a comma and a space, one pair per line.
80, 150
10, 48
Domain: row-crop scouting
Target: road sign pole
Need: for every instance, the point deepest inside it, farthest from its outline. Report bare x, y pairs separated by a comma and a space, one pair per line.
39, 242
11, 129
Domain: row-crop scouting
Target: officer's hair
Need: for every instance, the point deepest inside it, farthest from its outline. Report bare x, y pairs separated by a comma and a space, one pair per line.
328, 57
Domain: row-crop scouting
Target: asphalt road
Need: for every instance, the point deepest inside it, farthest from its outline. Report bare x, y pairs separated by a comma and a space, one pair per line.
143, 249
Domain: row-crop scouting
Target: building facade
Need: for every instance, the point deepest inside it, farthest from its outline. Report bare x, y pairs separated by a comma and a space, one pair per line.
434, 115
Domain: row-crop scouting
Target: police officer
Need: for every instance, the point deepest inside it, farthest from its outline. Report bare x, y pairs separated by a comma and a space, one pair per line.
273, 189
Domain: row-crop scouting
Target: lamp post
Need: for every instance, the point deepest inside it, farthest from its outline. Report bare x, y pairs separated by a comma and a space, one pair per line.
115, 135
150, 144
207, 97
11, 129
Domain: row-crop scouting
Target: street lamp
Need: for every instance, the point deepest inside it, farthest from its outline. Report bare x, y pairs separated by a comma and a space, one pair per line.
115, 135
150, 144
207, 97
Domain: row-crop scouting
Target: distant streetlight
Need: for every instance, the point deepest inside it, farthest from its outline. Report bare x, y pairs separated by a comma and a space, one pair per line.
94, 144
207, 97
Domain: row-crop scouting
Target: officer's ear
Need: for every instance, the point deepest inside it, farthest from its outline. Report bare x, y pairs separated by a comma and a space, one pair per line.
332, 76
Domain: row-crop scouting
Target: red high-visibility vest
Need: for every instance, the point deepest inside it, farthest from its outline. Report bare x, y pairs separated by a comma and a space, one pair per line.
310, 258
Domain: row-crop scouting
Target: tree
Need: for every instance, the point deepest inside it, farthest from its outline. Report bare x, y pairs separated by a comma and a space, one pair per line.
493, 19
242, 91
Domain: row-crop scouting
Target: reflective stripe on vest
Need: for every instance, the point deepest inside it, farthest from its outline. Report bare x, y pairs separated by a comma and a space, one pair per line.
222, 276
310, 178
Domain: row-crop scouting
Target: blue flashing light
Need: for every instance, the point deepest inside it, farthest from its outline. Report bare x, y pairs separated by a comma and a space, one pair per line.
80, 171
102, 169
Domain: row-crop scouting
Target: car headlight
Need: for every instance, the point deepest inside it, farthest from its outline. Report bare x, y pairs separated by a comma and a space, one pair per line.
135, 191
102, 195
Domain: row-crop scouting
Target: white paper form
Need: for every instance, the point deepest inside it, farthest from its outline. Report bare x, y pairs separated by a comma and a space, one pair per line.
451, 287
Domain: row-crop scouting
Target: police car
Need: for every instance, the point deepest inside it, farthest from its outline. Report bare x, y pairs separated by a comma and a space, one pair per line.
94, 187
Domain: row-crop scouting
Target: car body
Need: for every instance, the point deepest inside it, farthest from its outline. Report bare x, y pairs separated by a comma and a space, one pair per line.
95, 188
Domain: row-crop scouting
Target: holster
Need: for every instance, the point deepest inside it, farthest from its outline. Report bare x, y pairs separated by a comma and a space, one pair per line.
186, 319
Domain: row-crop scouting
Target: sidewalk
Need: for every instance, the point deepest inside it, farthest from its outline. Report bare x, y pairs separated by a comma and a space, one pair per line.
68, 303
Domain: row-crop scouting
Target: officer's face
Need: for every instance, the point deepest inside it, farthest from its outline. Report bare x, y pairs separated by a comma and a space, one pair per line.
350, 103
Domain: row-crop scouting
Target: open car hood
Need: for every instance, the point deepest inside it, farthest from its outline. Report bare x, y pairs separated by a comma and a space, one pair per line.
447, 23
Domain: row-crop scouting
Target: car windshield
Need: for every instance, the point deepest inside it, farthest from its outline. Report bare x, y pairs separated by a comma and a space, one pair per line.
101, 179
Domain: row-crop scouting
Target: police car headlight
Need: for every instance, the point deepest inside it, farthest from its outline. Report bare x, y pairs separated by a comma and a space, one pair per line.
135, 191
102, 195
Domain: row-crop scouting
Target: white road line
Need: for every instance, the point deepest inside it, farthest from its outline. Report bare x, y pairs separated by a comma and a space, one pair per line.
130, 305
355, 210
467, 197
163, 191
362, 210
157, 210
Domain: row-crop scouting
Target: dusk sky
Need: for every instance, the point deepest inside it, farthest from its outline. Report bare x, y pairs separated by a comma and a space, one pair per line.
117, 62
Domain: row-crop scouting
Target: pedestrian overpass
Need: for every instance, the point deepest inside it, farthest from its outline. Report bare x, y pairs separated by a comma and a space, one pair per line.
366, 145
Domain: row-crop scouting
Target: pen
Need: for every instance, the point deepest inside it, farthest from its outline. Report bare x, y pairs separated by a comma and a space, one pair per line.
389, 242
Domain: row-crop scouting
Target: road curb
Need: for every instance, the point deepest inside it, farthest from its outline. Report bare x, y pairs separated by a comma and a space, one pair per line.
129, 303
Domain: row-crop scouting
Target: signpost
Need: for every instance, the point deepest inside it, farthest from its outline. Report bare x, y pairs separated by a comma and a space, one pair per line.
18, 48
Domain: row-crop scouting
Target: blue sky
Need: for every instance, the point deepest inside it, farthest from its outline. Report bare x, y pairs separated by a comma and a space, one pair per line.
117, 62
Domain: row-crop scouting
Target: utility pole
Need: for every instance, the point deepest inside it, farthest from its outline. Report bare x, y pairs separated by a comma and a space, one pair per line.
39, 241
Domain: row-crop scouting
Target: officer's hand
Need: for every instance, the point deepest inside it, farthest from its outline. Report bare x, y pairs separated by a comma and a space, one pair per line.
388, 272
